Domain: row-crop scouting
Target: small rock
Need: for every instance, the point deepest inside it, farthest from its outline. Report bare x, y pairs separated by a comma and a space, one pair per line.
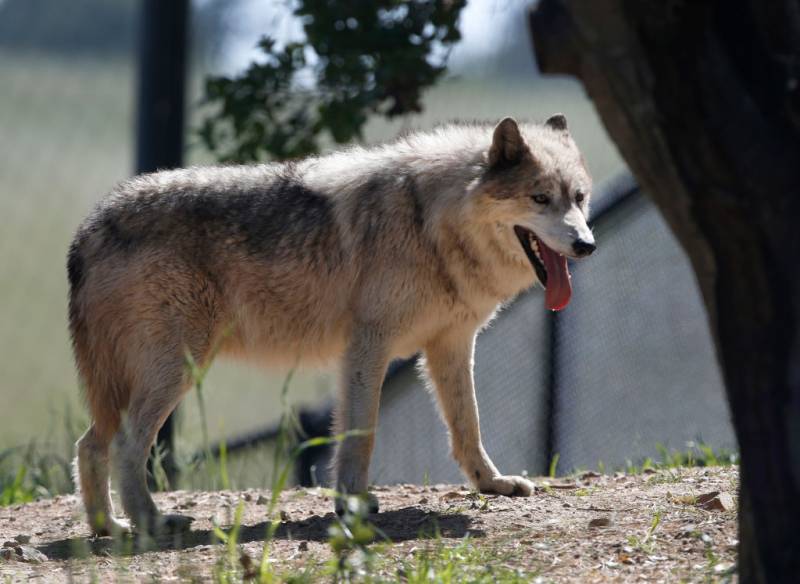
600, 522
452, 496
423, 501
22, 553
284, 515
30, 554
716, 501
688, 530
302, 546
723, 567
705, 497
248, 497
262, 500
22, 538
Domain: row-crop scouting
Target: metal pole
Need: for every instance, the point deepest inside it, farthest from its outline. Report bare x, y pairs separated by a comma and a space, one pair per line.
160, 115
551, 392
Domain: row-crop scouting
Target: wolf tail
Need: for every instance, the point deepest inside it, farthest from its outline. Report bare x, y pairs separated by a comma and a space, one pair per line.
92, 356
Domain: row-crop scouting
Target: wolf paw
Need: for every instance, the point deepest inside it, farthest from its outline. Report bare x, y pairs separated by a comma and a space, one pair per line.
356, 503
162, 525
173, 524
112, 528
511, 486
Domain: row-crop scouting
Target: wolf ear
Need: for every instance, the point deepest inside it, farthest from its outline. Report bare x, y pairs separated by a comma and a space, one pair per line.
557, 122
507, 144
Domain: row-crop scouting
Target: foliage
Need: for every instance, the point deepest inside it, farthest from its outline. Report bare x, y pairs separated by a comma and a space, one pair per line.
696, 454
466, 562
42, 468
362, 57
30, 473
349, 538
15, 491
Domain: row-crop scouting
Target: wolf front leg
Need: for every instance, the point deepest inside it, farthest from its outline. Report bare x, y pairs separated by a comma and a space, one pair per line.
449, 363
363, 371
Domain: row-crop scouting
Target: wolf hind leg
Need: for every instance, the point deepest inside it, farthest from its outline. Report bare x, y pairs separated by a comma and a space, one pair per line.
92, 478
147, 411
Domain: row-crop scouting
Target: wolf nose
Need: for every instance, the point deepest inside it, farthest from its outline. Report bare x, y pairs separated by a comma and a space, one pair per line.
583, 248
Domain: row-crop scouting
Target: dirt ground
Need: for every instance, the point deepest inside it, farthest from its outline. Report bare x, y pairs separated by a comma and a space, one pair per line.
659, 526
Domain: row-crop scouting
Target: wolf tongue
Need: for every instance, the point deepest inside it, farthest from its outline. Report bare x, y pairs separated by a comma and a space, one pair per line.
559, 288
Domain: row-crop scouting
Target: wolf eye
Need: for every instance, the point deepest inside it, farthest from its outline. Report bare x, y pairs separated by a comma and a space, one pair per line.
579, 196
541, 199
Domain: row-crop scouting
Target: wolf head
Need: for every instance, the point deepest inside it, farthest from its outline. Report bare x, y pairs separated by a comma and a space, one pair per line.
536, 185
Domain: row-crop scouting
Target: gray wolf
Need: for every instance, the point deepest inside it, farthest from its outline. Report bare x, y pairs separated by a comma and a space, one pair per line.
359, 256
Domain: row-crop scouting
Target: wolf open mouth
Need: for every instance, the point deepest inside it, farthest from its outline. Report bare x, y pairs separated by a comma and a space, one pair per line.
550, 267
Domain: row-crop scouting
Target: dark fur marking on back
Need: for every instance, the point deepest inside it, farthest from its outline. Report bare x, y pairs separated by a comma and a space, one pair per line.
279, 217
262, 217
75, 265
366, 213
116, 235
416, 202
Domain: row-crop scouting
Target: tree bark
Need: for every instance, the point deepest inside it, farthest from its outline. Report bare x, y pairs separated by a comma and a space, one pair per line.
703, 100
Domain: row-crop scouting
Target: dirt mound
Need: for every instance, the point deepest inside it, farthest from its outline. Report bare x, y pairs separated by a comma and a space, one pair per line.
666, 525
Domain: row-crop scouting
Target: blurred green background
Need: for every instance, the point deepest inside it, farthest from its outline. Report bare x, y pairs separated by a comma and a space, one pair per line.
67, 93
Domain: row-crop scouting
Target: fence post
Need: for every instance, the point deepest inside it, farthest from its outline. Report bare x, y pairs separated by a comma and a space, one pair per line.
160, 115
551, 391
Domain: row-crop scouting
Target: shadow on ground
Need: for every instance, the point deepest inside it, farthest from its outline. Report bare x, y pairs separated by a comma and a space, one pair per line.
397, 525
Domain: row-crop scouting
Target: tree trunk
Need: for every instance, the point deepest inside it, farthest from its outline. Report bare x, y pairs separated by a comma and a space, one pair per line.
703, 100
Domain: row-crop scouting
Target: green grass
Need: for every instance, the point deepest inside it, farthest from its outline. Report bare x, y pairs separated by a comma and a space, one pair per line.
362, 554
29, 474
695, 454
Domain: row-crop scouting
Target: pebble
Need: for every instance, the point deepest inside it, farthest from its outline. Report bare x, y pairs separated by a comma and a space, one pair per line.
22, 553
600, 522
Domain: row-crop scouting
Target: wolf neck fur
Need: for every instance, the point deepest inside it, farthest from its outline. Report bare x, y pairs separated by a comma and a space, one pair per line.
445, 168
